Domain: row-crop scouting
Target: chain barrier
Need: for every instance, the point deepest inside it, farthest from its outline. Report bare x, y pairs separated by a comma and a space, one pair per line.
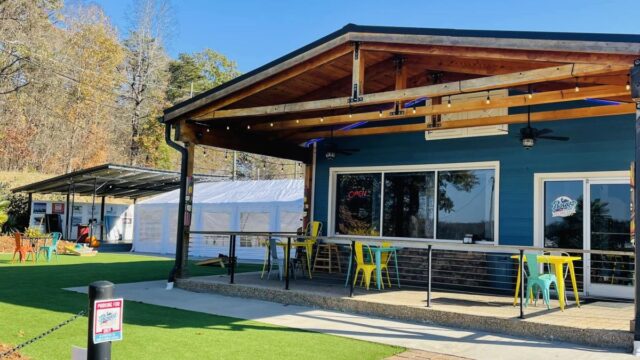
32, 340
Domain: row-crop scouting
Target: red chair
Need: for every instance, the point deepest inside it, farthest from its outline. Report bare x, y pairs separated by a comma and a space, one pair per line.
22, 250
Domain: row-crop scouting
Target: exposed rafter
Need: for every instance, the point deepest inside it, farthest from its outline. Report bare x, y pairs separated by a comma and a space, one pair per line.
569, 114
471, 85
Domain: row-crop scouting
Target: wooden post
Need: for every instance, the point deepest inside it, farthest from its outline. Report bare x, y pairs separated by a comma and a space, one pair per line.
308, 183
357, 74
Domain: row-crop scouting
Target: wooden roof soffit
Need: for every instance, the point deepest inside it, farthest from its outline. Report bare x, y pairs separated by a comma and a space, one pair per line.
245, 142
452, 106
502, 81
595, 111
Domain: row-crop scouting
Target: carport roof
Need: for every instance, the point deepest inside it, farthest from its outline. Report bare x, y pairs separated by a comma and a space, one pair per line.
119, 181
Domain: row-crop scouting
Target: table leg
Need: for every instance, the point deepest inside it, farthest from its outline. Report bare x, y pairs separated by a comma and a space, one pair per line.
346, 283
574, 284
378, 270
395, 261
560, 282
309, 249
515, 296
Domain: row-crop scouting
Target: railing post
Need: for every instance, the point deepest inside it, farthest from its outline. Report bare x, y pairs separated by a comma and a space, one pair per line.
232, 259
521, 269
98, 290
269, 251
429, 251
230, 253
352, 273
287, 258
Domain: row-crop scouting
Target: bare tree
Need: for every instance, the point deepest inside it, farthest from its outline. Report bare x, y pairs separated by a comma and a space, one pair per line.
146, 69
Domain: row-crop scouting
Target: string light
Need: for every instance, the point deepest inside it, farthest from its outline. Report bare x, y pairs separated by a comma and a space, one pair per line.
208, 130
449, 101
414, 109
271, 124
227, 127
226, 154
350, 115
628, 86
488, 101
321, 119
264, 165
282, 168
297, 121
380, 113
248, 127
577, 89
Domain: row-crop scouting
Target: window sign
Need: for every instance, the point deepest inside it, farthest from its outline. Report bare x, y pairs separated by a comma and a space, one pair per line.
358, 204
57, 208
39, 208
563, 206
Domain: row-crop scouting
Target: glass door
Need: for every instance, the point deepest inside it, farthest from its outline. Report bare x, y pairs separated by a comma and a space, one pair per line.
609, 229
602, 225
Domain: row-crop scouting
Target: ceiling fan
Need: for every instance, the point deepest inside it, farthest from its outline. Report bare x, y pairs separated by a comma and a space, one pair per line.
529, 135
332, 149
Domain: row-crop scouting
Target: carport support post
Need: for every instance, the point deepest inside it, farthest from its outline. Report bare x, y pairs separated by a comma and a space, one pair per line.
29, 208
634, 81
67, 212
102, 230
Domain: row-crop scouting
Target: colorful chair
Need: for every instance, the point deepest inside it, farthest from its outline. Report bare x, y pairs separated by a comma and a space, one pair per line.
367, 267
384, 263
541, 281
22, 250
273, 252
50, 250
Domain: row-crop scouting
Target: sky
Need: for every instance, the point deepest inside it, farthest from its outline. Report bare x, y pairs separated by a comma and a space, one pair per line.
253, 32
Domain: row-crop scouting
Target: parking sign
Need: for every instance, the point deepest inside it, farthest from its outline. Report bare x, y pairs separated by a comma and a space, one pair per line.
107, 320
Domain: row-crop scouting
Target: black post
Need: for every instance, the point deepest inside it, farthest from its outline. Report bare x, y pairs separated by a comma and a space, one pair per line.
98, 290
287, 258
269, 252
29, 208
67, 211
352, 273
634, 82
429, 250
73, 204
230, 254
232, 259
102, 229
521, 283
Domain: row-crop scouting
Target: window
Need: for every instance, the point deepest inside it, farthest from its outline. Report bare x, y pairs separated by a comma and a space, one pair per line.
408, 204
358, 204
446, 202
465, 204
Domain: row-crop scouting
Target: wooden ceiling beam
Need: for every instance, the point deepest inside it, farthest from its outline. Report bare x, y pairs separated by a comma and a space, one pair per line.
557, 96
245, 142
276, 79
465, 86
502, 54
596, 111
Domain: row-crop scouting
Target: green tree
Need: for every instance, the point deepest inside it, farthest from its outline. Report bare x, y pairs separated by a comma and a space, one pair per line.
194, 73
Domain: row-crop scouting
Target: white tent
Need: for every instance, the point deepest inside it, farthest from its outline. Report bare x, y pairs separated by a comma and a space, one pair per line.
267, 205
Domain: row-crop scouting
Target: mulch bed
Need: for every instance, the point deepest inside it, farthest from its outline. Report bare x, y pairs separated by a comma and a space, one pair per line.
14, 356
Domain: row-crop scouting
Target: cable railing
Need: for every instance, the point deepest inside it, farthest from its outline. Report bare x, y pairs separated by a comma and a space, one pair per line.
430, 265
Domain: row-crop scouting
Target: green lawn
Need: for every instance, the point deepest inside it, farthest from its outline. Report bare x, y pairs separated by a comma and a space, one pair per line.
32, 300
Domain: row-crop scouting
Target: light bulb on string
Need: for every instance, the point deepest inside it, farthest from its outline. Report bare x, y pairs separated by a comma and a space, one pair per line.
449, 101
226, 154
414, 109
488, 100
577, 88
227, 127
380, 113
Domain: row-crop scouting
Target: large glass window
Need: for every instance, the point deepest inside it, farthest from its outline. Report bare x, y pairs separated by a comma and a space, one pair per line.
408, 204
563, 225
434, 204
358, 204
465, 204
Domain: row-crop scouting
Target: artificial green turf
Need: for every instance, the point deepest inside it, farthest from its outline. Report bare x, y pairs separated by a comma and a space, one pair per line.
32, 300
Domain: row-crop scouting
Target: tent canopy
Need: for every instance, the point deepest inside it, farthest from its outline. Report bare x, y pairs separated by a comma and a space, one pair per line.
234, 192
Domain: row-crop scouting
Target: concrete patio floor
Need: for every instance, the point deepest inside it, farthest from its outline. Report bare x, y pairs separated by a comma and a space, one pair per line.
594, 323
432, 338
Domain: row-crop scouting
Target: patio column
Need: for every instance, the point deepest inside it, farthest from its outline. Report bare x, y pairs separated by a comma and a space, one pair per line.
66, 214
102, 230
634, 82
29, 208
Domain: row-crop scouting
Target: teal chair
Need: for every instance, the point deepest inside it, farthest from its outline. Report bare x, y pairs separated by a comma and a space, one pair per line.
50, 250
537, 281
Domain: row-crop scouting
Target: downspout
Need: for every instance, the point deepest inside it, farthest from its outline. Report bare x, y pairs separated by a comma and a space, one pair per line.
177, 266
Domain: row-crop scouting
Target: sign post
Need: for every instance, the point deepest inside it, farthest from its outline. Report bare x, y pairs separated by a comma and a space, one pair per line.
105, 320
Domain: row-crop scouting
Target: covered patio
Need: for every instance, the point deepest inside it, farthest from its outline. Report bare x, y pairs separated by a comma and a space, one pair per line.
461, 148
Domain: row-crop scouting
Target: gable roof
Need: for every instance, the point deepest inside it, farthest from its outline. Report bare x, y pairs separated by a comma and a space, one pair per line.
543, 41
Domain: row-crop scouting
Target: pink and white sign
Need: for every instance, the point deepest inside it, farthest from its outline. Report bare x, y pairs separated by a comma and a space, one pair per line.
107, 320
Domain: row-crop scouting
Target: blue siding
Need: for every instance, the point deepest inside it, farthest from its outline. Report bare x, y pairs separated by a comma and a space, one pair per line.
598, 144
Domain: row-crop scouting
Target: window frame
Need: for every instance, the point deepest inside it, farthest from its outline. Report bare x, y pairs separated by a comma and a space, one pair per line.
482, 165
